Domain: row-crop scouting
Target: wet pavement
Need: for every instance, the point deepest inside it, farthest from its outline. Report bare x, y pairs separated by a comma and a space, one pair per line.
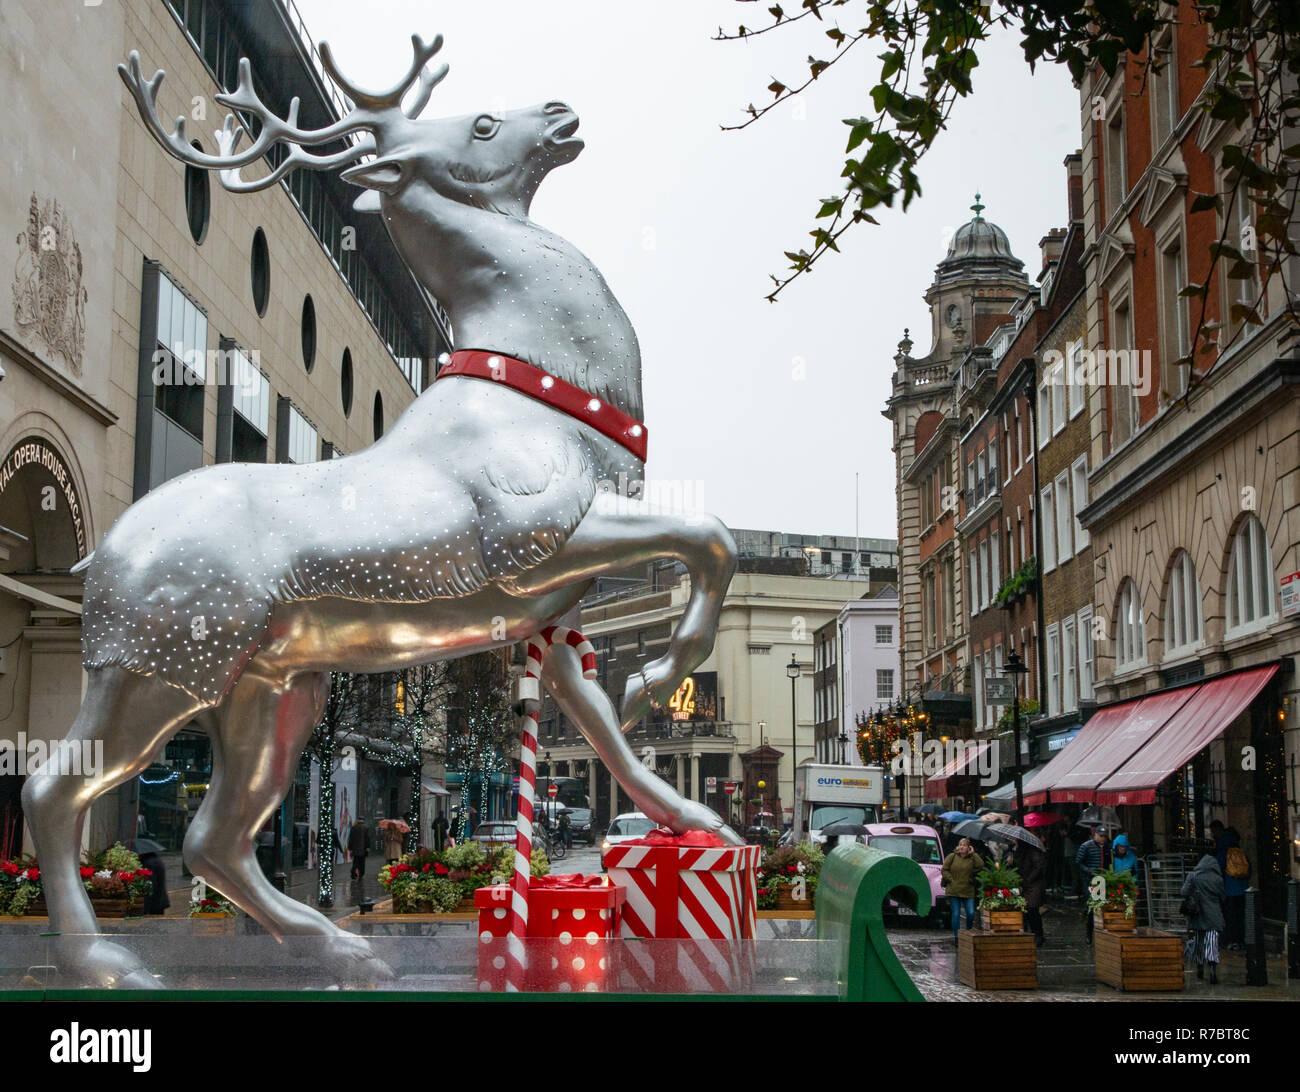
1066, 971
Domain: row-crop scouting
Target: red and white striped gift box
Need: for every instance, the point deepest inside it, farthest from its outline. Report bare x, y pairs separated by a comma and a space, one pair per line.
686, 885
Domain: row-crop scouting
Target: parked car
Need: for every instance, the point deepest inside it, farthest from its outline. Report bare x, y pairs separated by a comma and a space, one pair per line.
921, 844
580, 825
624, 828
497, 833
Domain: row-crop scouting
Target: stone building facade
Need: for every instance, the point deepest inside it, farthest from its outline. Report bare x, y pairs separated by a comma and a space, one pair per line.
118, 253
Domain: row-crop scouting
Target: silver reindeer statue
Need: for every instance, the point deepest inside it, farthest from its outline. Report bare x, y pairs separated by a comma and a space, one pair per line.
226, 596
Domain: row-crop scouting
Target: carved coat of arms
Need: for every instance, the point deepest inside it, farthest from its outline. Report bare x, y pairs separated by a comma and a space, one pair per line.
49, 297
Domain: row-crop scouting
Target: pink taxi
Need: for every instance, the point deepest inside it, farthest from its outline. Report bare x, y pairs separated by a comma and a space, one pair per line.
923, 845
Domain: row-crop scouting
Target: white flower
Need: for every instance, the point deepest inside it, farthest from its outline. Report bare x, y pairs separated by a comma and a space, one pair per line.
799, 866
104, 874
1015, 891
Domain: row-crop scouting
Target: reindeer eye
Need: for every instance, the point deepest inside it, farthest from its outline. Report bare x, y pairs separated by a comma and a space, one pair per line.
485, 127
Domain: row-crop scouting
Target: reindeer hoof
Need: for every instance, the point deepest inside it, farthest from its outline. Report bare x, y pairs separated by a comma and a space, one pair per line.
694, 816
106, 965
356, 964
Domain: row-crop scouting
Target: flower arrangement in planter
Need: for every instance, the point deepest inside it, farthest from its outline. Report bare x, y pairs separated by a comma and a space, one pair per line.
1019, 584
787, 872
432, 882
1113, 902
115, 881
212, 905
20, 888
1001, 905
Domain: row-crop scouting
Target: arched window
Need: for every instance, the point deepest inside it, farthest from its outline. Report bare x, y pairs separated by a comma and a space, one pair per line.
1250, 576
1130, 640
1182, 605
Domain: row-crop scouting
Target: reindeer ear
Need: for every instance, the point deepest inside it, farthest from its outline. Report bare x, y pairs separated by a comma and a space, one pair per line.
385, 174
367, 202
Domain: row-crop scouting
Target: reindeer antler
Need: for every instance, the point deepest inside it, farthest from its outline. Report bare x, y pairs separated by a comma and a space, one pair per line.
366, 115
422, 51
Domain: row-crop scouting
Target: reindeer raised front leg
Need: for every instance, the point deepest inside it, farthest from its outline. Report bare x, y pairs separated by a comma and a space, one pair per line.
617, 533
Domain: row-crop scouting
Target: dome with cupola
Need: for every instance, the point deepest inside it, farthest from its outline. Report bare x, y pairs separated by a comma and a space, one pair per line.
979, 247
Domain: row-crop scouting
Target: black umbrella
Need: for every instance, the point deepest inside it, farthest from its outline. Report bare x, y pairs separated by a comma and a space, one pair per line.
1005, 832
972, 828
931, 809
142, 846
844, 830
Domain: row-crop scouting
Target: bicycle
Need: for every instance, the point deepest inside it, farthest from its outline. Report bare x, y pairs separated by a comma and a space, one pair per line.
553, 847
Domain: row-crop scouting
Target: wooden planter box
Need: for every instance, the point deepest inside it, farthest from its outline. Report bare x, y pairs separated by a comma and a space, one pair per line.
1114, 921
1002, 921
785, 899
116, 908
1145, 959
37, 909
997, 961
210, 925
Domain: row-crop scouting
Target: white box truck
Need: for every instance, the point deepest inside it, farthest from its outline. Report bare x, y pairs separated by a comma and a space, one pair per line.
826, 794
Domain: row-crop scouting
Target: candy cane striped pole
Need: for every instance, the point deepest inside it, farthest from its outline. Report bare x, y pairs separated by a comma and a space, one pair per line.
530, 692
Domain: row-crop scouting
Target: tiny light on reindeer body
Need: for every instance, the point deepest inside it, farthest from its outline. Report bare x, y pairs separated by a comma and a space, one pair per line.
226, 596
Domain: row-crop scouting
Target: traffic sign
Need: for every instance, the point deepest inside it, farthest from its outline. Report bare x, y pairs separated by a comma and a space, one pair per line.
729, 788
552, 790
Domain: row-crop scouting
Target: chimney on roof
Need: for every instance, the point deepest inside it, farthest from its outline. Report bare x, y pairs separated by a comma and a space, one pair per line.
1051, 245
1074, 169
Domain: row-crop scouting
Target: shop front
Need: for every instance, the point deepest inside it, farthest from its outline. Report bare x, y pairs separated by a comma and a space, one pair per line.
1171, 762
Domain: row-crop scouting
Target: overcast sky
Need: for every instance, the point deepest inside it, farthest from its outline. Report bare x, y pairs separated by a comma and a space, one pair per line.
686, 222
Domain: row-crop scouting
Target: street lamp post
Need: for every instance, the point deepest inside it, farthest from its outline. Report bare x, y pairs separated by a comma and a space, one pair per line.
546, 815
1015, 667
792, 672
844, 743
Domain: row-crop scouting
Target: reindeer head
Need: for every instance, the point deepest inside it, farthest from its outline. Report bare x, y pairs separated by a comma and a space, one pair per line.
493, 160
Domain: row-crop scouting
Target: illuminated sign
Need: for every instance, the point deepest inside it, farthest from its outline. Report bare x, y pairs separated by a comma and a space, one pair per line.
696, 699
37, 452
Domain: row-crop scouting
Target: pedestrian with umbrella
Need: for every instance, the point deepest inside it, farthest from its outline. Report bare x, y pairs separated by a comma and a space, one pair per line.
1031, 863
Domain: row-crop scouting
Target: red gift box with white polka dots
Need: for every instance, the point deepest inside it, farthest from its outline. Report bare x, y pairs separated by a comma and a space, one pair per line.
580, 914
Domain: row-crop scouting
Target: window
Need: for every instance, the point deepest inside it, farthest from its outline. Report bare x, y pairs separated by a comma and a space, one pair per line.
1069, 668
884, 684
1250, 576
379, 415
973, 592
1130, 640
1047, 519
1125, 417
1116, 158
931, 607
1079, 477
1077, 389
1064, 518
884, 635
1044, 409
993, 463
995, 566
846, 562
1059, 385
1240, 293
1173, 318
1085, 654
1164, 92
198, 199
977, 673
250, 390
1053, 669
260, 270
345, 381
984, 568
308, 333
1182, 605
1015, 438
949, 599
981, 477
303, 443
